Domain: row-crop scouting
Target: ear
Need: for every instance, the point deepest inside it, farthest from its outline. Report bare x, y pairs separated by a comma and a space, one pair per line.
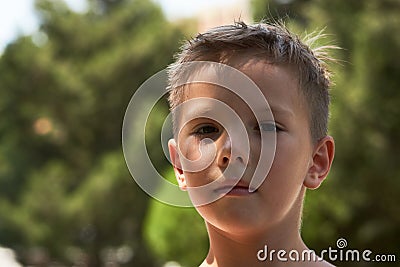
176, 163
321, 162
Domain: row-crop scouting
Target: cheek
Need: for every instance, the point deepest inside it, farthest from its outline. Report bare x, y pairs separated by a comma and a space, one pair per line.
290, 162
199, 162
197, 155
189, 148
201, 187
292, 156
286, 176
194, 179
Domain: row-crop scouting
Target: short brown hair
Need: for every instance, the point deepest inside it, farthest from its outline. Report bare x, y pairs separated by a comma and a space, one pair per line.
276, 44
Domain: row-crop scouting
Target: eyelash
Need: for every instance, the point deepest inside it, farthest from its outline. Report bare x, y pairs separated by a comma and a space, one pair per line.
271, 126
268, 127
199, 133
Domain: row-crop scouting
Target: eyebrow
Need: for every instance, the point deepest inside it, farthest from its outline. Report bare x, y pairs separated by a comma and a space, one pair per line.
277, 110
199, 111
205, 110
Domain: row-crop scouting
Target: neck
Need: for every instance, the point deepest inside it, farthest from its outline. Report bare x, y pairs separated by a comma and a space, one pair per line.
236, 250
228, 250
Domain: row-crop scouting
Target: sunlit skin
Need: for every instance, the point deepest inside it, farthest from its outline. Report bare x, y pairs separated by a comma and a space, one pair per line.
241, 223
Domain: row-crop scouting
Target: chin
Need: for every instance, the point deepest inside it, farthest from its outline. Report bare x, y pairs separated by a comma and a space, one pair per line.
233, 218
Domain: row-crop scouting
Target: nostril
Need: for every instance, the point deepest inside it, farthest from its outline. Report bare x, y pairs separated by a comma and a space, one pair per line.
225, 160
240, 159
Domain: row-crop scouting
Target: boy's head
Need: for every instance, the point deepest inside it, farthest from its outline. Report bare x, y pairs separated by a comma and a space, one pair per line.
218, 160
272, 43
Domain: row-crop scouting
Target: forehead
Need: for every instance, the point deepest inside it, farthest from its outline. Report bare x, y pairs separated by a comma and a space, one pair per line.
277, 84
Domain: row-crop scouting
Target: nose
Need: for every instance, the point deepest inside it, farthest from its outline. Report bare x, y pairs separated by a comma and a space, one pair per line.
231, 154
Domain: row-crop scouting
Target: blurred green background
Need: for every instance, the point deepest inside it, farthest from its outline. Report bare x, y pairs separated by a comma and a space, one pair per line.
66, 196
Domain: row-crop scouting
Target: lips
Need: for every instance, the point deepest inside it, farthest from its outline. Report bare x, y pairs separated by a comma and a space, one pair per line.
231, 189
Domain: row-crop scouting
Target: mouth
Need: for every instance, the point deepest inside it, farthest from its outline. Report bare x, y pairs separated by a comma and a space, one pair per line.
240, 189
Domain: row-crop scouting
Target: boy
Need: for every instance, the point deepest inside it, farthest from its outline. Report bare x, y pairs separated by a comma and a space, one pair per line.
244, 217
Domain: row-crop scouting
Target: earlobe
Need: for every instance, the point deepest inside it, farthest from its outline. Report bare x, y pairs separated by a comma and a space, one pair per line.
321, 163
176, 163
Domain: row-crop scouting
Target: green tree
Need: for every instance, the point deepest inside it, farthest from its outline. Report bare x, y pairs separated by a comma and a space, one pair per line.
64, 186
176, 233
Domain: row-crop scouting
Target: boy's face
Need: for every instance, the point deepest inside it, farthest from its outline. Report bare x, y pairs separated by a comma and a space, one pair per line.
282, 188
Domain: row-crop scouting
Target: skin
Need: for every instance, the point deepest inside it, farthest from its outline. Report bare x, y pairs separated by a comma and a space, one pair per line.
240, 225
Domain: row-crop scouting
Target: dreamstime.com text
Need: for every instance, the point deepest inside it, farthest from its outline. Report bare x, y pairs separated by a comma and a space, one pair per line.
331, 254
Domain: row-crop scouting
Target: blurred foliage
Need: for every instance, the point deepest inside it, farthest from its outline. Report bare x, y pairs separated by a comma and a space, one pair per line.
65, 192
182, 236
66, 195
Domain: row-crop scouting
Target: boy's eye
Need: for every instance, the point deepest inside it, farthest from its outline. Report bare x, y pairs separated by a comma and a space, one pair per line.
207, 129
268, 127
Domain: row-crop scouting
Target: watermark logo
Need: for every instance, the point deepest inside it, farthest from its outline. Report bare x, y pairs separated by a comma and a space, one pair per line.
341, 243
199, 72
340, 253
